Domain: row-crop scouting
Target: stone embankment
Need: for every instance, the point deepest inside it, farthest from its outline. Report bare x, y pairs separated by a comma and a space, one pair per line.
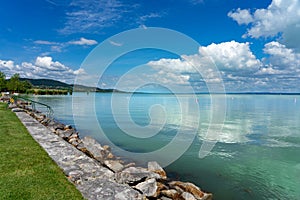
96, 172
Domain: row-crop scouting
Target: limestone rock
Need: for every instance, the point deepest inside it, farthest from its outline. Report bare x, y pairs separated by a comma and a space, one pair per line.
156, 168
114, 165
133, 175
160, 187
165, 198
68, 133
94, 148
17, 110
106, 148
173, 194
191, 188
207, 196
110, 156
67, 127
59, 126
148, 187
187, 196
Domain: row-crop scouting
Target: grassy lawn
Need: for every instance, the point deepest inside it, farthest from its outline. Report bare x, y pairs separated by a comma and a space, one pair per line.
26, 171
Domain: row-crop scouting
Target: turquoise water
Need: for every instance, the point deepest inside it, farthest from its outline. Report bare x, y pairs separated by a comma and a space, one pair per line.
257, 155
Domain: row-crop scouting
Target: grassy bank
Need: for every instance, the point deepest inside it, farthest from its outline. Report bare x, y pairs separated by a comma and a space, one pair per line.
26, 171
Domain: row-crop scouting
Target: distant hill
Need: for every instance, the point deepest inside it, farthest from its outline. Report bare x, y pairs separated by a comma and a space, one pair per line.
47, 83
53, 84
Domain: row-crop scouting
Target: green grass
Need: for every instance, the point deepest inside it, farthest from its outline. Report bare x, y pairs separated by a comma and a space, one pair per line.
26, 171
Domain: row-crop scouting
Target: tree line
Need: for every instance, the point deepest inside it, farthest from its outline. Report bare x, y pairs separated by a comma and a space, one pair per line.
13, 84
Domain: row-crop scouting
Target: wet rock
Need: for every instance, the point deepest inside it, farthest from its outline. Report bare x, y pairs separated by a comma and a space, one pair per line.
156, 168
207, 196
114, 165
172, 193
94, 148
190, 188
133, 175
187, 196
148, 187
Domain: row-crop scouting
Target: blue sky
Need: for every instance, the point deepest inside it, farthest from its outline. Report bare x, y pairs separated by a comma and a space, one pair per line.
253, 43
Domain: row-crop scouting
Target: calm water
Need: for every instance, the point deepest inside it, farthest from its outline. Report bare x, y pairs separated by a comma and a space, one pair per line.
258, 151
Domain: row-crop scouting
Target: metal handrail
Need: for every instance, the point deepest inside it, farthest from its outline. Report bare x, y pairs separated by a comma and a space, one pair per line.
49, 112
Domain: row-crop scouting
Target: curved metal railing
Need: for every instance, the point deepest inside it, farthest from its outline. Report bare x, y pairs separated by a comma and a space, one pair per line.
36, 106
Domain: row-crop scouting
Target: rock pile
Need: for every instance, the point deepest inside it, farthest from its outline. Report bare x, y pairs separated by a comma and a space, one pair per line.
150, 183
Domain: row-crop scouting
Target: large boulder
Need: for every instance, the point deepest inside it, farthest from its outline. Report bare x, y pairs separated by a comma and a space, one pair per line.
172, 193
94, 149
156, 168
190, 188
187, 196
134, 175
114, 165
148, 187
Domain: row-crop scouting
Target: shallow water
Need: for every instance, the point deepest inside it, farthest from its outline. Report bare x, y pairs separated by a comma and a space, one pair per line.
256, 156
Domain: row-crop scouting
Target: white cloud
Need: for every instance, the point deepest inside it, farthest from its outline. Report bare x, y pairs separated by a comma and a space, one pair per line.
150, 16
282, 58
241, 16
45, 42
92, 16
115, 43
279, 18
232, 55
44, 67
84, 41
239, 68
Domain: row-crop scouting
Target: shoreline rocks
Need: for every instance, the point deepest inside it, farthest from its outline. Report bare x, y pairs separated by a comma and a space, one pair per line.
150, 183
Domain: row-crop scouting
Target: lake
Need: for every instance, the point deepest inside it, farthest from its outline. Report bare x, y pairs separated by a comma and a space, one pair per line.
257, 154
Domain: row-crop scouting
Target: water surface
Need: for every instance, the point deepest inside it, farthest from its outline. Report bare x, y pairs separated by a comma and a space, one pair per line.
257, 154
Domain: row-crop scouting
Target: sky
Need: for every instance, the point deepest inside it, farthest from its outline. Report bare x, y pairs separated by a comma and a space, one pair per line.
253, 44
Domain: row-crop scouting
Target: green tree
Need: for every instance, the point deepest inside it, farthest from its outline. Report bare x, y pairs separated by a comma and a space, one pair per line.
2, 82
24, 86
13, 85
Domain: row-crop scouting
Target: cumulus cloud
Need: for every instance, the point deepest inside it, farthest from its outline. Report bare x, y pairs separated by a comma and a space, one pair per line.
241, 16
240, 70
84, 41
232, 55
279, 18
43, 67
282, 60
